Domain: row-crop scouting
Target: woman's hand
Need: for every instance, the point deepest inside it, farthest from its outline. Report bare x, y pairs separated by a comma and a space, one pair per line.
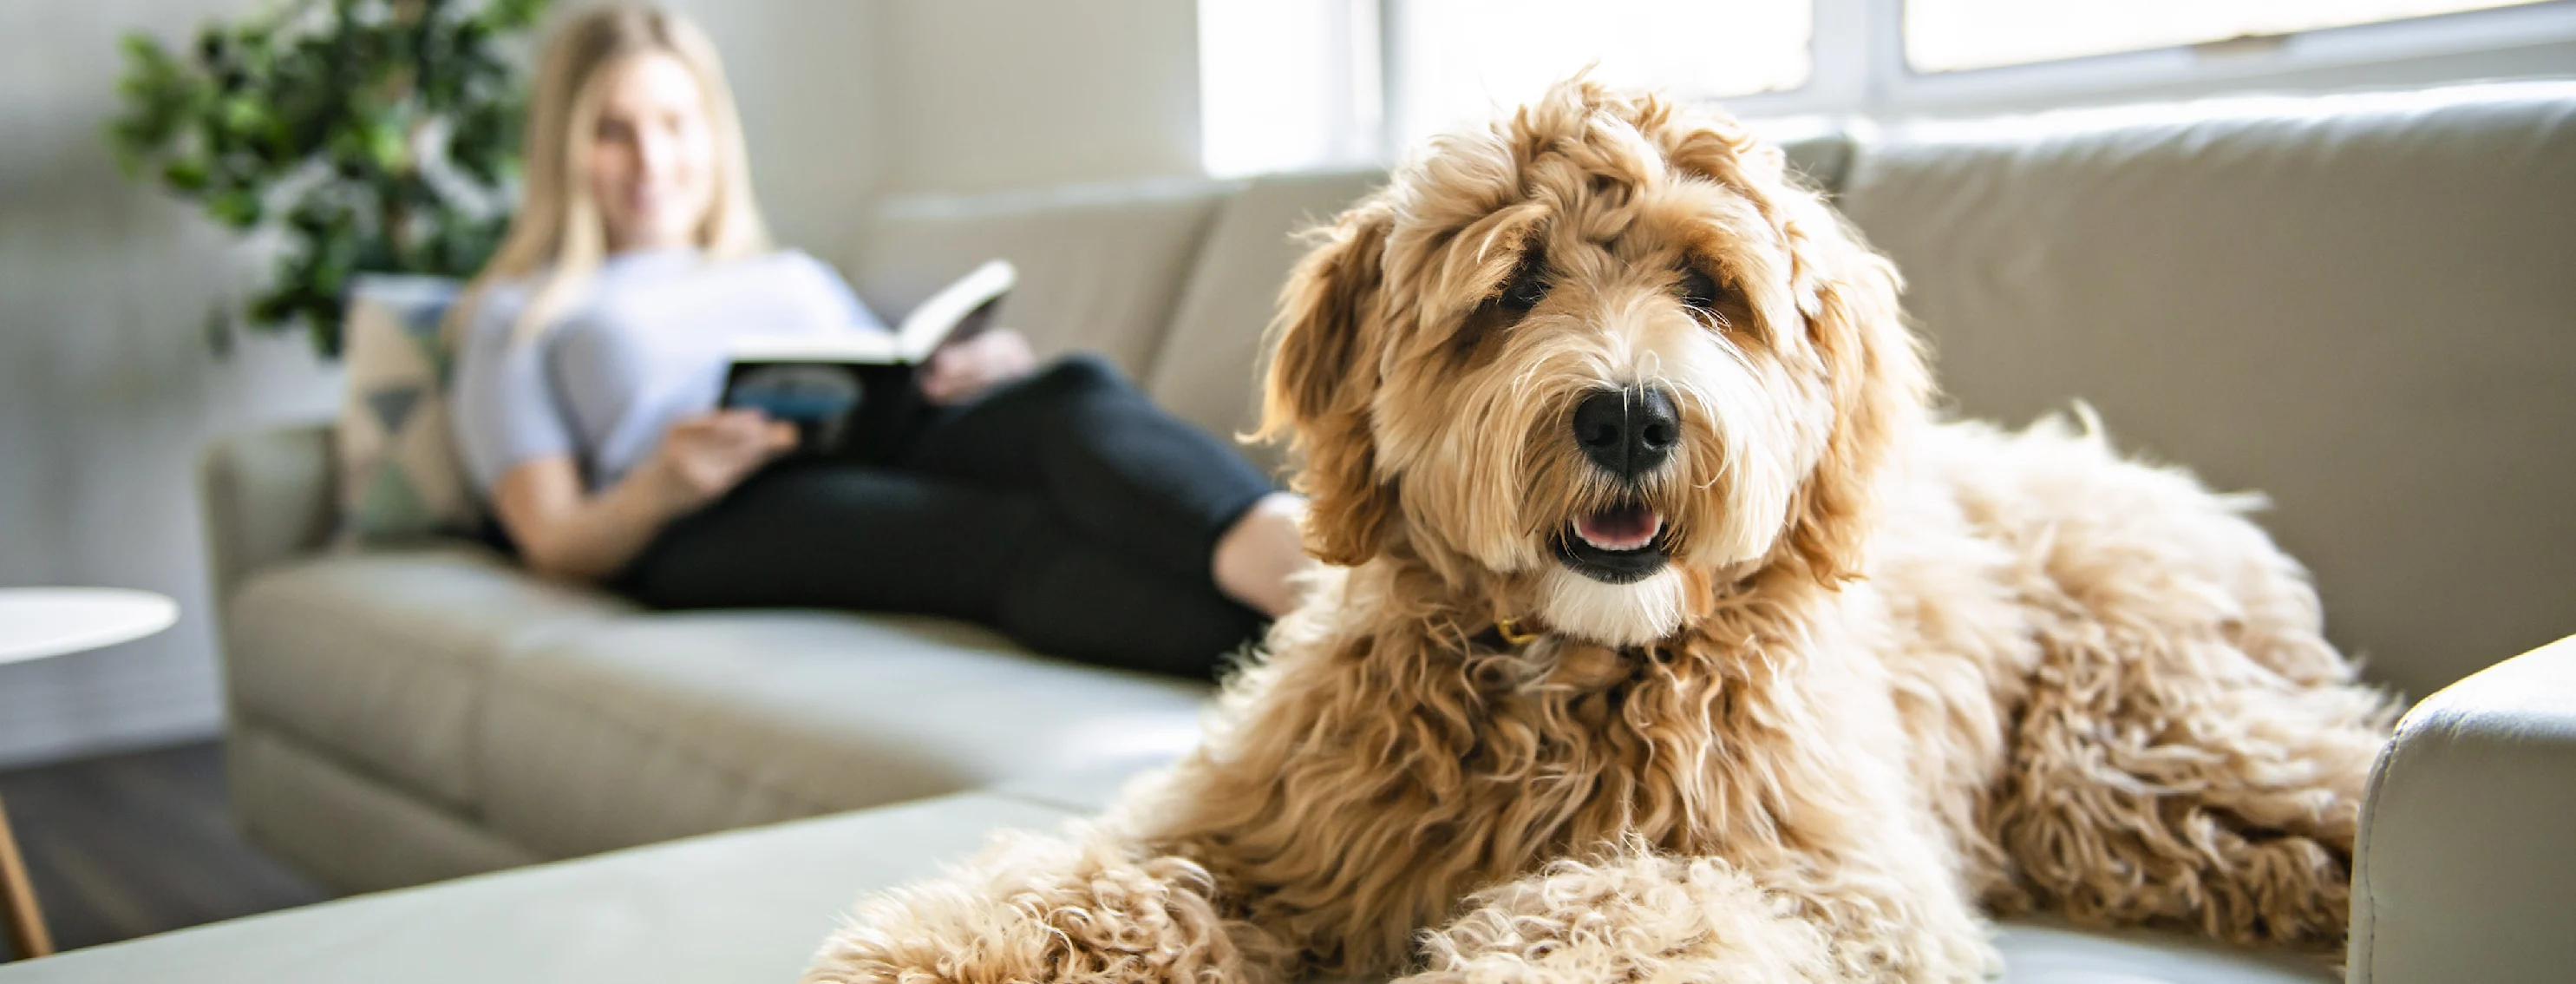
703, 457
960, 371
565, 532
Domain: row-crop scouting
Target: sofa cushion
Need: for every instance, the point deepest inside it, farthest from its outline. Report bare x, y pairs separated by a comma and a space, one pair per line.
1100, 265
754, 905
351, 831
380, 656
2048, 952
2358, 305
744, 906
660, 726
1206, 371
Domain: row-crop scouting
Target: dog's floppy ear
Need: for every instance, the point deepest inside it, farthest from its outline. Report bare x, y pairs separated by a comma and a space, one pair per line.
1879, 384
1846, 293
1323, 373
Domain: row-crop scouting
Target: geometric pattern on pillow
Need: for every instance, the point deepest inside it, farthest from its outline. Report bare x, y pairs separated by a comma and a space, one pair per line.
400, 475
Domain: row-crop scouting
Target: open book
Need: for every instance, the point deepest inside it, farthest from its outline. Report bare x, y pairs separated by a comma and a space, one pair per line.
852, 392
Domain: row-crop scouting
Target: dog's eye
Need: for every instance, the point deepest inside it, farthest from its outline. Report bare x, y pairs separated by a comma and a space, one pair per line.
1528, 285
1699, 290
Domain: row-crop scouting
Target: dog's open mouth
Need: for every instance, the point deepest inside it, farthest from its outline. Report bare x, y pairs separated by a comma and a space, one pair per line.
1618, 545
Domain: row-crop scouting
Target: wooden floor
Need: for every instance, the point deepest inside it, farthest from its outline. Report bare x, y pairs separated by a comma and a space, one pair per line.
140, 843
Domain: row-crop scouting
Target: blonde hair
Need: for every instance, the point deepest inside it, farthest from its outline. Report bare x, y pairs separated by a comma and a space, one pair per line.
556, 232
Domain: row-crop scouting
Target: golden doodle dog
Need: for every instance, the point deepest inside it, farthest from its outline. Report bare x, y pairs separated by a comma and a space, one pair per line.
1668, 636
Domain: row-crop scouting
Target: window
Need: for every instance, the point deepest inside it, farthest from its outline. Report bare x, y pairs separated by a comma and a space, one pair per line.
1452, 61
1294, 84
1288, 85
1951, 35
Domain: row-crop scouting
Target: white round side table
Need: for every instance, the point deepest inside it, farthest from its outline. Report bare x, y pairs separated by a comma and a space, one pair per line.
36, 623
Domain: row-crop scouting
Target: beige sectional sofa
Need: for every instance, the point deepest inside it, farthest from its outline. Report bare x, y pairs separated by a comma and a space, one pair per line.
2363, 306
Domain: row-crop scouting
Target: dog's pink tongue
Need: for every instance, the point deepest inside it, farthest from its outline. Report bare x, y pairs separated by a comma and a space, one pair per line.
1626, 528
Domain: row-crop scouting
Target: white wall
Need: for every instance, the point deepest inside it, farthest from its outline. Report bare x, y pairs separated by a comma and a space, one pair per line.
802, 73
983, 94
108, 389
107, 385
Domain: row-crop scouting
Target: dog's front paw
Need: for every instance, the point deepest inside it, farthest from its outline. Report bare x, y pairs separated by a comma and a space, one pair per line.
1042, 909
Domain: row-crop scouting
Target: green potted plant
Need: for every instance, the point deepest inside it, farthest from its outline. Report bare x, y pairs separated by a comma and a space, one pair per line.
376, 136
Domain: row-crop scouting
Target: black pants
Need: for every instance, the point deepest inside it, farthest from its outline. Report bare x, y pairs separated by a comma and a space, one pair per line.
1063, 509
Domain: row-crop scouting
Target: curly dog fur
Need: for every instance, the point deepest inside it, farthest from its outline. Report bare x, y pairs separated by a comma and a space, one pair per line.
1873, 677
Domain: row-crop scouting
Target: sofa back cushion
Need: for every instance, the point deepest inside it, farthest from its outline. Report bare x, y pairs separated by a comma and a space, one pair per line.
2357, 305
1819, 150
1100, 265
1207, 372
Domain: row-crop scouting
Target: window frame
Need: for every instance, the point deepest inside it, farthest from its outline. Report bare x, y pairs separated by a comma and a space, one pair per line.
1861, 68
1857, 66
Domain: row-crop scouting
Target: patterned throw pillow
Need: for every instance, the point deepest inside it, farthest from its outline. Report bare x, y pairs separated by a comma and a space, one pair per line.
400, 477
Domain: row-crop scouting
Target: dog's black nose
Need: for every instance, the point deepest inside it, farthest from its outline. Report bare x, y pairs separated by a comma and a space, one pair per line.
1628, 432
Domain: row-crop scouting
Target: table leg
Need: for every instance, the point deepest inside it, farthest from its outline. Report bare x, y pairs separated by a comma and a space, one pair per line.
23, 920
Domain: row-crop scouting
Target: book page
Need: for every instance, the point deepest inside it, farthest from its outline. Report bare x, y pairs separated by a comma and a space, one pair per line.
930, 323
833, 346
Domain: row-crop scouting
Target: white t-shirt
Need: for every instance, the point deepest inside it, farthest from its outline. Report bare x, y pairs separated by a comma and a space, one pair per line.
645, 348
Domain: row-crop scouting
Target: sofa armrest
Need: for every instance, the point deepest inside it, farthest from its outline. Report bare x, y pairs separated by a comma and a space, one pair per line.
2466, 867
267, 496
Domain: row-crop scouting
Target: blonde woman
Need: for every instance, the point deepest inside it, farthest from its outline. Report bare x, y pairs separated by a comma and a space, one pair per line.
1054, 503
